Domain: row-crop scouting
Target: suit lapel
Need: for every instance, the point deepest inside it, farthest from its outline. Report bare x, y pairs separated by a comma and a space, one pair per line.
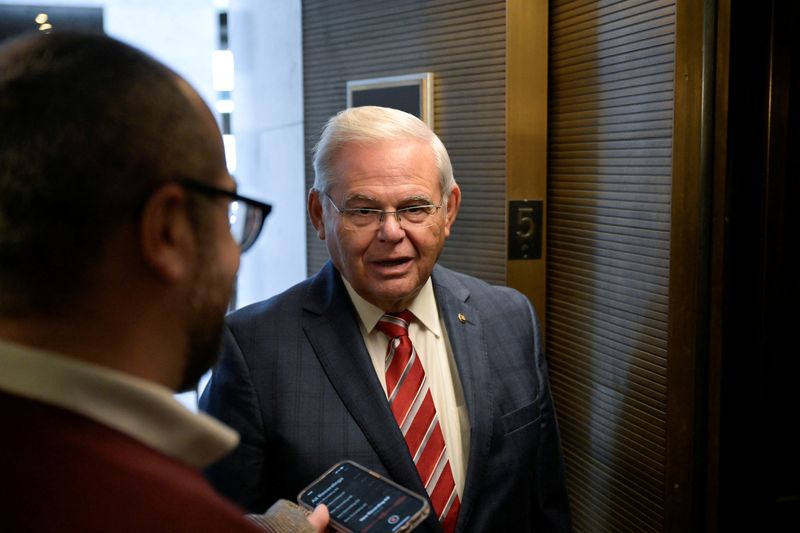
465, 332
331, 326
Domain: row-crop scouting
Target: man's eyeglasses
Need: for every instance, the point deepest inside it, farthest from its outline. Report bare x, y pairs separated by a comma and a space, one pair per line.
370, 219
245, 215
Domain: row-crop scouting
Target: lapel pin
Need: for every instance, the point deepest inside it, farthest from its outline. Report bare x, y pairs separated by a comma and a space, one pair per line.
462, 318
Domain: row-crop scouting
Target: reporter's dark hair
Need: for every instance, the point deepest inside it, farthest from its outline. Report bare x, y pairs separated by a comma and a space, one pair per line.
89, 126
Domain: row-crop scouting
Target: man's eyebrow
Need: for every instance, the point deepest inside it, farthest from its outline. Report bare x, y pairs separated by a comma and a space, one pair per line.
360, 198
406, 200
417, 198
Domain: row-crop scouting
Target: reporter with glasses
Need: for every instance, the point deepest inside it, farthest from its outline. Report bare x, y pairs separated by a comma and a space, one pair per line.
120, 237
432, 378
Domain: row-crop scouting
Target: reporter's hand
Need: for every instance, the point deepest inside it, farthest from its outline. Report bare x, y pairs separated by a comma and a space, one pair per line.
319, 518
284, 516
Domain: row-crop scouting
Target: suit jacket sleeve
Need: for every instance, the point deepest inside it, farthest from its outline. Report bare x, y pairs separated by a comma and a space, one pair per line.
551, 510
231, 398
515, 477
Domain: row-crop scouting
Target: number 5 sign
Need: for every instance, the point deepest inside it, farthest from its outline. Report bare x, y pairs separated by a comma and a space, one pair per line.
525, 229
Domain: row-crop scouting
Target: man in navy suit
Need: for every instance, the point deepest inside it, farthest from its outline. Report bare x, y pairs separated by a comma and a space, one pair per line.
305, 375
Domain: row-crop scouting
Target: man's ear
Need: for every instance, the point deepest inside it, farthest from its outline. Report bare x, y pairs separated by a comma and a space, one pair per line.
315, 213
453, 203
166, 235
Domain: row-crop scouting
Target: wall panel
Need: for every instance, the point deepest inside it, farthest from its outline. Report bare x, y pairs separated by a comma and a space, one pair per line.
609, 217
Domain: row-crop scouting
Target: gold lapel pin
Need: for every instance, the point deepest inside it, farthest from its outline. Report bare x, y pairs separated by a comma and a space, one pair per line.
462, 318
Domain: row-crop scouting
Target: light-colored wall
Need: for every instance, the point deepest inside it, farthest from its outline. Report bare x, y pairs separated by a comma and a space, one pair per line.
265, 36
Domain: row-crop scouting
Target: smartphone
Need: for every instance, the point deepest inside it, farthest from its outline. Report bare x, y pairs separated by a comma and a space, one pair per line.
359, 499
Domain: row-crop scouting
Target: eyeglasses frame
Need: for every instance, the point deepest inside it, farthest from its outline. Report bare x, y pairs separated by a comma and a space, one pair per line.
211, 190
382, 214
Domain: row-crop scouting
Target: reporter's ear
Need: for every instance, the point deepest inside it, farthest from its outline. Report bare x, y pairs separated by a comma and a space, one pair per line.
166, 235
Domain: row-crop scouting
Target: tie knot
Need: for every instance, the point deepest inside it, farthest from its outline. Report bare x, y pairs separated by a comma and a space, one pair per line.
395, 324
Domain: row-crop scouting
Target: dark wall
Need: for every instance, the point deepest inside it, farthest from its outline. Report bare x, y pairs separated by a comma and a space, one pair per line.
759, 447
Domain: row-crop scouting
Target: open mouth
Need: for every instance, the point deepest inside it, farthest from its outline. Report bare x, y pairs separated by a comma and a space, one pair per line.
392, 263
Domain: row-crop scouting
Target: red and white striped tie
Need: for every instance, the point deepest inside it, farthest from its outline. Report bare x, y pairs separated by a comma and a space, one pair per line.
411, 402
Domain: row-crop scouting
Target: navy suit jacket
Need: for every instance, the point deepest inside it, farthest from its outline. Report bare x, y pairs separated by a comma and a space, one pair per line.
296, 380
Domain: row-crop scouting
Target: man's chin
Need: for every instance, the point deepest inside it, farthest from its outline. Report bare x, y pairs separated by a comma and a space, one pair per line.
396, 300
204, 348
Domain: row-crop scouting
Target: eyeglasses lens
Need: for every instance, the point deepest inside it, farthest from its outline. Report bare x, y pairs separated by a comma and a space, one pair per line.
236, 212
245, 222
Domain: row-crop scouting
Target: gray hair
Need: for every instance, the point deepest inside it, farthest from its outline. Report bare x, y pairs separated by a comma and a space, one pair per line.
372, 123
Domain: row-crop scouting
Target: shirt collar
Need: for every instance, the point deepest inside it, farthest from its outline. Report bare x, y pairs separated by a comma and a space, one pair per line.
423, 307
141, 409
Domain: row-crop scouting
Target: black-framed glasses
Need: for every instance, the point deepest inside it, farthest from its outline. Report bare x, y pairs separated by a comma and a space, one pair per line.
245, 216
371, 219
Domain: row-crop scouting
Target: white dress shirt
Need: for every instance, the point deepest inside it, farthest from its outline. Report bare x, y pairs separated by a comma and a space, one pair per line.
140, 409
429, 337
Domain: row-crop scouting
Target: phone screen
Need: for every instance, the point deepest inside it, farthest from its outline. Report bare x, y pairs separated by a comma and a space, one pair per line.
359, 500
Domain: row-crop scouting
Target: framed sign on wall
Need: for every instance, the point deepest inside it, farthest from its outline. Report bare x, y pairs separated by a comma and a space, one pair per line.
412, 93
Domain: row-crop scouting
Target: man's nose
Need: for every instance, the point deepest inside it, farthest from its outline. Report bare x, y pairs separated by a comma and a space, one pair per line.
390, 227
